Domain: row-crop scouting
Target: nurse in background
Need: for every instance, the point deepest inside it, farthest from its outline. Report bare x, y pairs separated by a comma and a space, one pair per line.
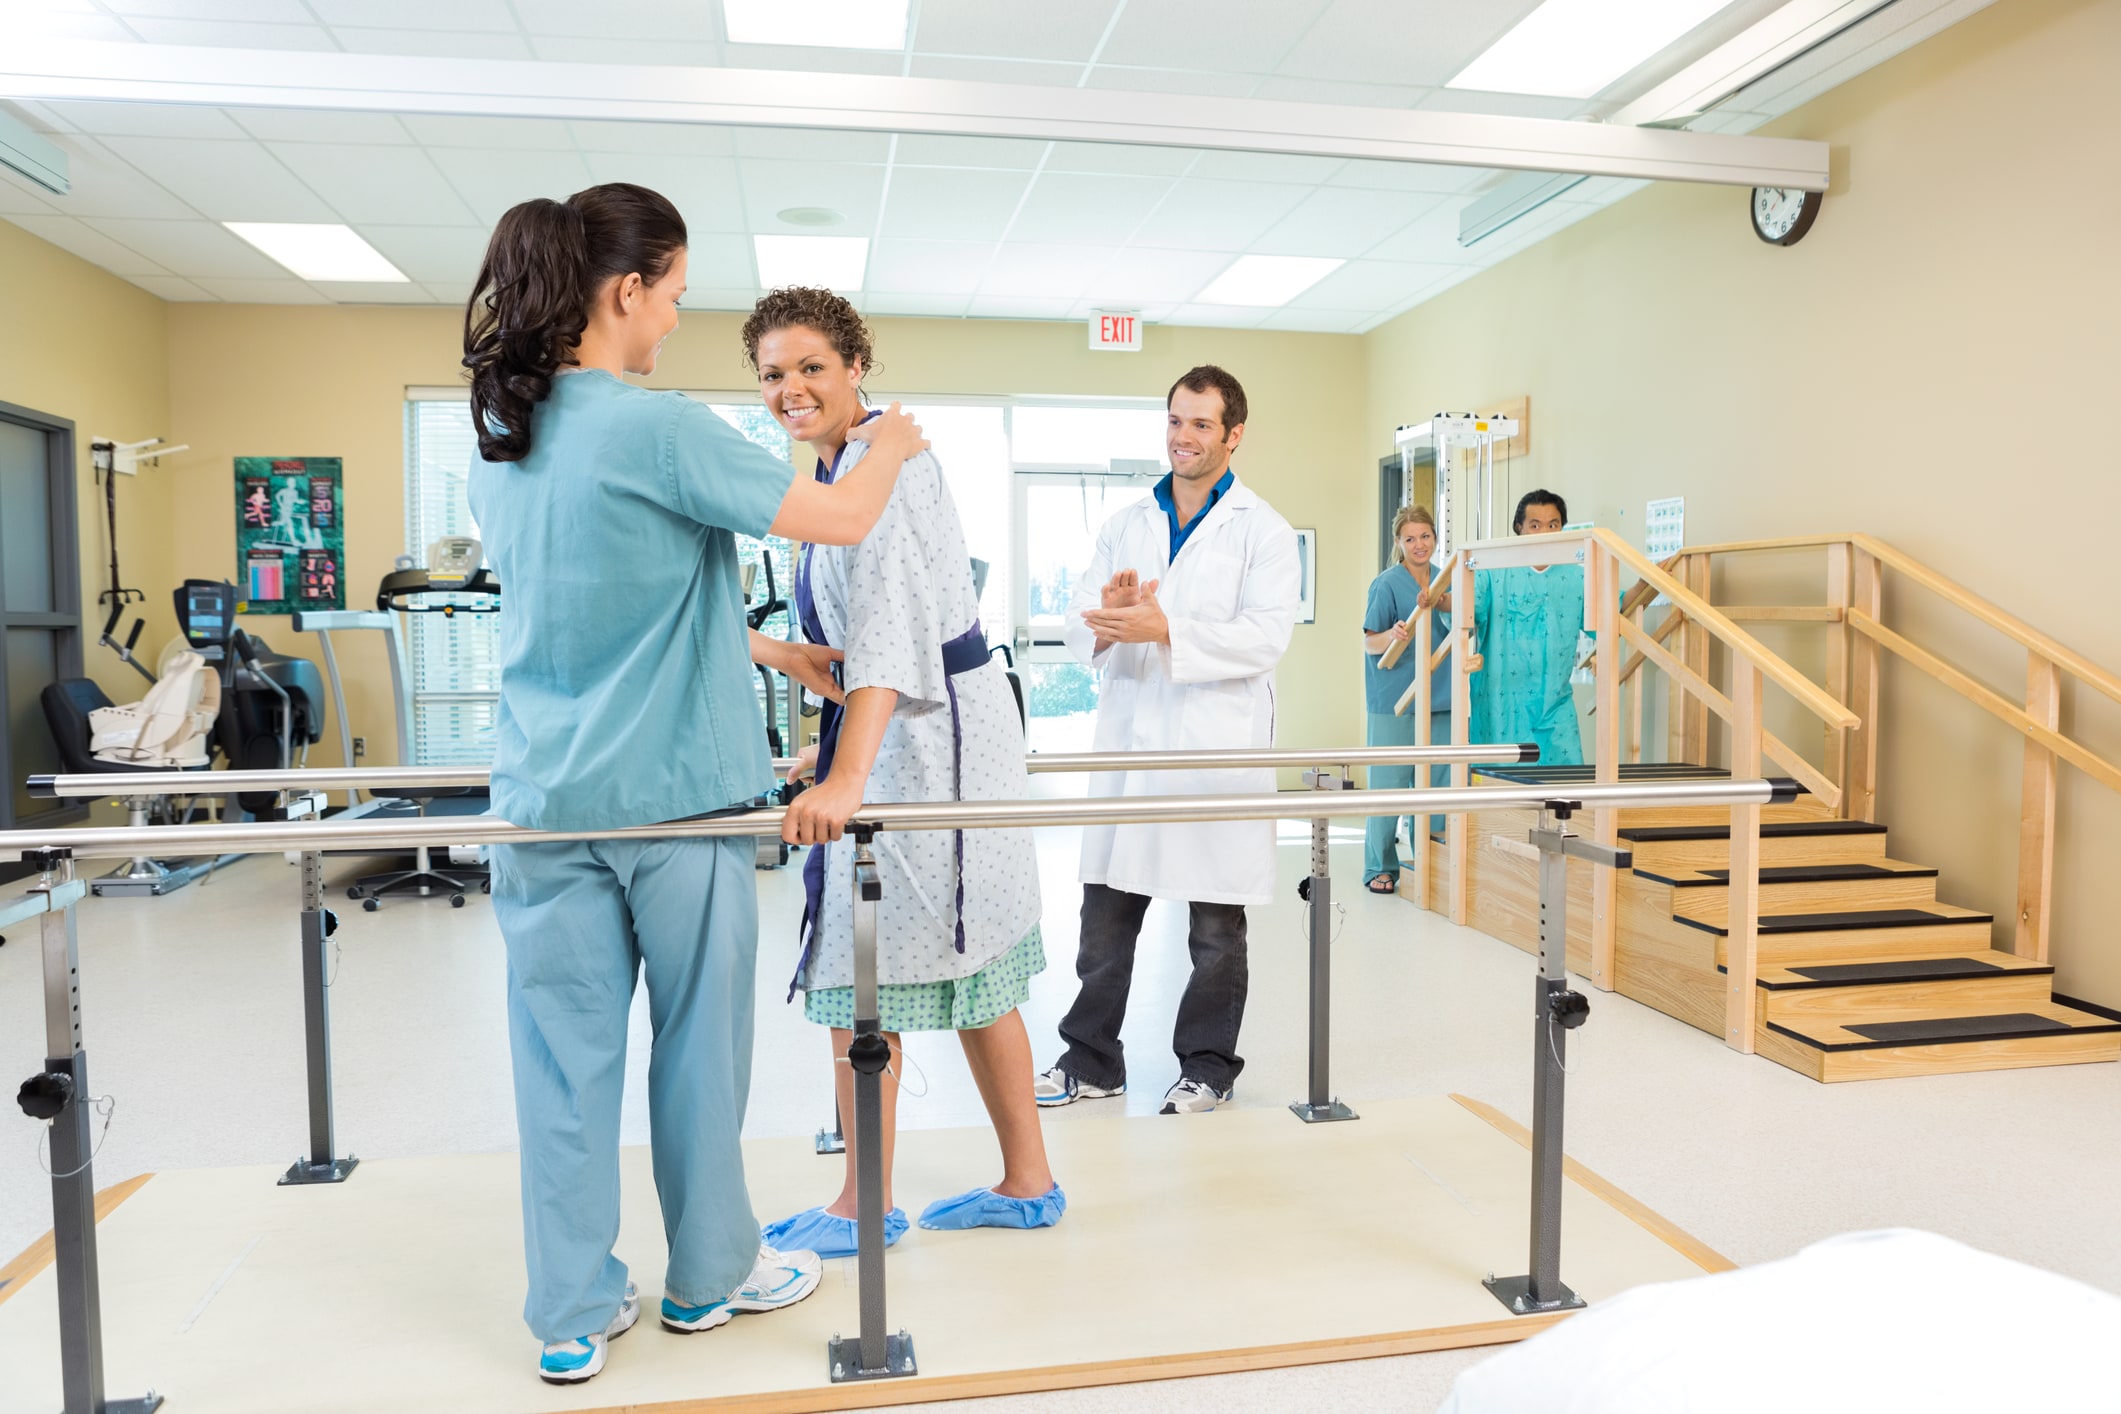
1395, 596
1526, 620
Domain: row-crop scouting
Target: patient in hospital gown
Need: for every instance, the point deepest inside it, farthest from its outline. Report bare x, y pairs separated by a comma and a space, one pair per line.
1526, 622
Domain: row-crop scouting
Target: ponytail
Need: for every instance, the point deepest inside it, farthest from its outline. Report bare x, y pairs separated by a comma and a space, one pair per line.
544, 265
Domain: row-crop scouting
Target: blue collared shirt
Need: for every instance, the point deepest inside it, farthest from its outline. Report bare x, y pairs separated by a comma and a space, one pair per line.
1179, 535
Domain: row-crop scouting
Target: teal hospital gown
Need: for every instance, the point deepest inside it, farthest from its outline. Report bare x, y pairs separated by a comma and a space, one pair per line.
1526, 622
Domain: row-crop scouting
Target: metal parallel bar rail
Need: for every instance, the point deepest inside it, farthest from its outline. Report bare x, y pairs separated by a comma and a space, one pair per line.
58, 1093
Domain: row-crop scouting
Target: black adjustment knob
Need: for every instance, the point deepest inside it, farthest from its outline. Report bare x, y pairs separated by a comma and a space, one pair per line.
1303, 888
46, 861
45, 1094
1571, 1009
331, 923
869, 1053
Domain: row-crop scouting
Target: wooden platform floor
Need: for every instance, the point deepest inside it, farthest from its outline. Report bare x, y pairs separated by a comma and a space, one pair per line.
1240, 1240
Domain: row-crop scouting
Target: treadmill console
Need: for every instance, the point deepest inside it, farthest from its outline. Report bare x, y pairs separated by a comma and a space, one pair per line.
206, 614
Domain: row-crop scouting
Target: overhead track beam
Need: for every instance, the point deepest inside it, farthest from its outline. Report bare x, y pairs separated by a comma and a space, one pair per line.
35, 68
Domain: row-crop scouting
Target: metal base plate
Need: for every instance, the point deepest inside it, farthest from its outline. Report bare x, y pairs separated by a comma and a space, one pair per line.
1516, 1293
303, 1171
828, 1142
1321, 1114
845, 1355
146, 1404
174, 875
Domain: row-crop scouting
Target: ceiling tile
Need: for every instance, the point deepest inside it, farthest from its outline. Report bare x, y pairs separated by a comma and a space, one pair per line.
1218, 316
224, 181
394, 185
1018, 307
445, 293
720, 260
648, 25
1077, 207
1368, 285
145, 119
1218, 216
1005, 154
19, 198
1265, 167
851, 191
1013, 71
518, 134
704, 297
1067, 31
71, 235
804, 59
493, 181
1502, 105
171, 288
433, 44
491, 16
924, 267
104, 184
306, 125
227, 34
1123, 159
1359, 95
1430, 239
1043, 271
1420, 42
1233, 36
1116, 78
1410, 176
1344, 221
286, 12
1314, 321
952, 203
363, 292
1606, 190
583, 49
288, 291
705, 190
190, 248
451, 254
1137, 278
66, 24
811, 145
677, 139
917, 306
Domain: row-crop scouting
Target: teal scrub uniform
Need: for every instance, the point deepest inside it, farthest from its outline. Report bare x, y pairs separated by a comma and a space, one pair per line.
1527, 622
1395, 596
626, 699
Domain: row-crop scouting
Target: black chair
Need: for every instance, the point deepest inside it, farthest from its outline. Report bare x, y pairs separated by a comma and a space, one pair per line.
425, 877
67, 704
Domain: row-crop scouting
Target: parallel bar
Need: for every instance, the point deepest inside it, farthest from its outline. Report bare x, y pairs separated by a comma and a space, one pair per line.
272, 837
1320, 1107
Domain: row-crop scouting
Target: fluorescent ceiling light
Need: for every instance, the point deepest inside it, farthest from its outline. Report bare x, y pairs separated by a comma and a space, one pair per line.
818, 262
319, 252
27, 152
1574, 48
1267, 279
822, 24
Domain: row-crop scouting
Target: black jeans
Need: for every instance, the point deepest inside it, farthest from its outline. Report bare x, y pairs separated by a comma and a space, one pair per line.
1209, 1013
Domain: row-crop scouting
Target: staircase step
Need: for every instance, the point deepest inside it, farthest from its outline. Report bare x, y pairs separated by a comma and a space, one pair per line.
1813, 976
1663, 849
1977, 981
1866, 935
1704, 895
1785, 829
1855, 869
1914, 1042
1853, 919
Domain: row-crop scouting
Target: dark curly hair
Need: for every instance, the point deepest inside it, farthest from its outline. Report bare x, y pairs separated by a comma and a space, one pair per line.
544, 264
822, 310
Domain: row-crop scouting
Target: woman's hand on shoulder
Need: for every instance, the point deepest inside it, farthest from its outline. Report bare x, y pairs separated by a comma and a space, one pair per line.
892, 433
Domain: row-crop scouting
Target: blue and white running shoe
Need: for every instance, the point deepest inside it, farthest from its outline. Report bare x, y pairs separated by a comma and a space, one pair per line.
778, 1279
569, 1362
1058, 1087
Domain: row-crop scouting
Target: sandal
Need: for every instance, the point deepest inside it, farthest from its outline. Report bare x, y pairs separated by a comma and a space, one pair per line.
1390, 882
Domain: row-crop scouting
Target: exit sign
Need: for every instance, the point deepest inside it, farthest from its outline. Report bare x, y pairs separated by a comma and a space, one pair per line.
1118, 331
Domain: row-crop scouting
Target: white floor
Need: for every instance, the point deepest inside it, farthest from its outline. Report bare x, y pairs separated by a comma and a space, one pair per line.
192, 1012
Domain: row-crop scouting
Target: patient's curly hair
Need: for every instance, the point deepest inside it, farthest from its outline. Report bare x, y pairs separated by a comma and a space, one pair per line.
822, 310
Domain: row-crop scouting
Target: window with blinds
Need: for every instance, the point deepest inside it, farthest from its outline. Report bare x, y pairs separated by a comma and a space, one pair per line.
455, 661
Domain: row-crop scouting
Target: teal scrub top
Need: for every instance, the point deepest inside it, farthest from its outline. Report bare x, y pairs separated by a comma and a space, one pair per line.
1394, 596
626, 679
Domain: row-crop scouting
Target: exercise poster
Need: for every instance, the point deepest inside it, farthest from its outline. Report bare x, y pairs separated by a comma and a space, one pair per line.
290, 534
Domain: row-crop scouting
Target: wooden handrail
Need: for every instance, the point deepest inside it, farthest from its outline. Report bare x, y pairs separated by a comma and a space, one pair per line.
1790, 542
1809, 694
1390, 658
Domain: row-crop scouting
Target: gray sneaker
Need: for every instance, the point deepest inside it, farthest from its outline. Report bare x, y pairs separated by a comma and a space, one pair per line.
1058, 1087
1193, 1097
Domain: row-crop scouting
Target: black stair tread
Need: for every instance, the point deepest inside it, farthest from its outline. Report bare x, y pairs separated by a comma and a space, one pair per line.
1796, 977
1945, 1030
1533, 774
1776, 829
1795, 874
1836, 922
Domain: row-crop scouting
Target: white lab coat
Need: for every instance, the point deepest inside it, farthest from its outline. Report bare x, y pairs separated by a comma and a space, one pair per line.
1231, 599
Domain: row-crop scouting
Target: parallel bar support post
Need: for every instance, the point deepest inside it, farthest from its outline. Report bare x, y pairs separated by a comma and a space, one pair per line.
1317, 890
322, 1163
875, 1354
64, 1081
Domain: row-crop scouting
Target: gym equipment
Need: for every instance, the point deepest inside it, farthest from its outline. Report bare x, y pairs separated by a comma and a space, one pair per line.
772, 852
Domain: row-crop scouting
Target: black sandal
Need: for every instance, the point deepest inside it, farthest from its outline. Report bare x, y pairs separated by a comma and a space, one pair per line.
1390, 882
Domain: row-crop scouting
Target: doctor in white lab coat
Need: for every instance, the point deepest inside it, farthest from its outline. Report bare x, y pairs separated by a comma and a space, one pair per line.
1184, 610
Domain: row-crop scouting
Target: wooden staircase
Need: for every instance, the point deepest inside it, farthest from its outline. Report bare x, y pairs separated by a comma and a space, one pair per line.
1863, 972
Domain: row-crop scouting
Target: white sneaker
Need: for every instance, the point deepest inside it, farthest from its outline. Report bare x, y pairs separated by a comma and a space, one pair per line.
569, 1362
1058, 1087
777, 1279
1193, 1097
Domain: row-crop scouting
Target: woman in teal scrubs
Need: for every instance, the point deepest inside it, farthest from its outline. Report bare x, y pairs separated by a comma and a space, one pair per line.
1395, 596
610, 513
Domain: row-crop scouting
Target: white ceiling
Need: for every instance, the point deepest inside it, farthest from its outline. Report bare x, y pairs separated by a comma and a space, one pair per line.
979, 227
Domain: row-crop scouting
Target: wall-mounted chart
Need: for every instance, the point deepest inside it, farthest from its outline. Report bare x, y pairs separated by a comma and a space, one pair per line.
290, 534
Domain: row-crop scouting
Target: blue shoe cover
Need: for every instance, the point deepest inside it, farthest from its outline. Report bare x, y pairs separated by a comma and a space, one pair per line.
983, 1207
815, 1230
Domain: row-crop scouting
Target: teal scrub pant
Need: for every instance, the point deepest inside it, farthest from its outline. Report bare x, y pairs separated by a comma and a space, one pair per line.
580, 919
1380, 842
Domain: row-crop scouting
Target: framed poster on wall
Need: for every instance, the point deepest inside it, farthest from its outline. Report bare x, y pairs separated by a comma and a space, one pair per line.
290, 534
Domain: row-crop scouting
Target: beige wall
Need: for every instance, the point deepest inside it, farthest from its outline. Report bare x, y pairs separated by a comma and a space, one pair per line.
296, 381
82, 344
1927, 365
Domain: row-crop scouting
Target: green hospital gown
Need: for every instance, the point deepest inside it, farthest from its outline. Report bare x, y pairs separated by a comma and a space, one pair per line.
1528, 647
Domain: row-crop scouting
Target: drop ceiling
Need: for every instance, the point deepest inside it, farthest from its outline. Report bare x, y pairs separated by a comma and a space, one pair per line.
959, 226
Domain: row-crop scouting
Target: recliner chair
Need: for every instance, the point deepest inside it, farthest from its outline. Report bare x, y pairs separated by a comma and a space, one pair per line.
67, 704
